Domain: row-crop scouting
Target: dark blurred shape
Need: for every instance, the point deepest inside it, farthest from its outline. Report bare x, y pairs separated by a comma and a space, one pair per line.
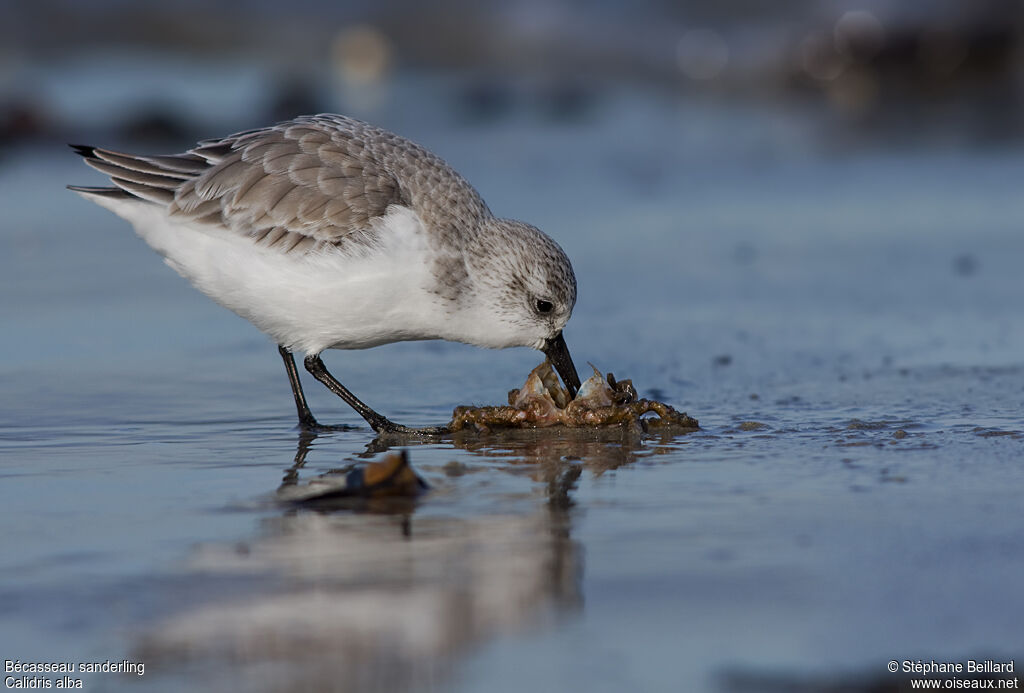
722, 360
23, 120
942, 51
855, 92
454, 468
485, 100
924, 57
965, 265
640, 173
293, 95
744, 253
566, 101
859, 36
156, 125
921, 74
818, 57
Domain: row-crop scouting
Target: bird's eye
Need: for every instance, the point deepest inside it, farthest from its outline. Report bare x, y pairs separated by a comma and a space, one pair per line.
544, 306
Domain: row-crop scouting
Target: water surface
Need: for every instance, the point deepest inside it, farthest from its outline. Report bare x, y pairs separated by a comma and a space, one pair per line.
845, 326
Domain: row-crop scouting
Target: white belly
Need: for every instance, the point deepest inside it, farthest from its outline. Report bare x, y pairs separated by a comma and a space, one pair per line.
306, 302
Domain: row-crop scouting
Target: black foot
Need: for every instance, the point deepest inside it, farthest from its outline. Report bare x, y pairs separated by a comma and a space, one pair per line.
391, 428
311, 425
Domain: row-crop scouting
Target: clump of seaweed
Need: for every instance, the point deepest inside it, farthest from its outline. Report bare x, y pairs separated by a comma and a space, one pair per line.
601, 401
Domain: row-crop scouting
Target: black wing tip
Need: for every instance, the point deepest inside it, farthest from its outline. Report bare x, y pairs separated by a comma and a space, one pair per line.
89, 152
85, 150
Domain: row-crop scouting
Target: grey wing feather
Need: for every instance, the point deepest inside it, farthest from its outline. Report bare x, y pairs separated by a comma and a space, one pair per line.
293, 176
294, 186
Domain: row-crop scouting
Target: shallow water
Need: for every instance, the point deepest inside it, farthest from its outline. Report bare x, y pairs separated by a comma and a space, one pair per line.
845, 326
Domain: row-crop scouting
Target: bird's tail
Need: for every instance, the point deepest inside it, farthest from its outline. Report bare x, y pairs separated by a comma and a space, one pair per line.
88, 153
148, 178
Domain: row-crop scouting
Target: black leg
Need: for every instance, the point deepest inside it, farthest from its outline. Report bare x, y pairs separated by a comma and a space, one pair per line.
379, 423
306, 418
316, 366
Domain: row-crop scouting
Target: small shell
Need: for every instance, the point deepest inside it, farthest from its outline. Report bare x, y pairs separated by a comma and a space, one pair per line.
541, 386
594, 391
389, 477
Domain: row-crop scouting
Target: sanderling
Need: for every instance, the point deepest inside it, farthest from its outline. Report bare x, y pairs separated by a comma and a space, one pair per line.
329, 233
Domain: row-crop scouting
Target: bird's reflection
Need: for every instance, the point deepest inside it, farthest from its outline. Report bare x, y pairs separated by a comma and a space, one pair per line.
390, 599
325, 598
305, 442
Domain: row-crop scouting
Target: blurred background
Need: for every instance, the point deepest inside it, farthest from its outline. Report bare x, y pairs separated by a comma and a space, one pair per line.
838, 158
935, 74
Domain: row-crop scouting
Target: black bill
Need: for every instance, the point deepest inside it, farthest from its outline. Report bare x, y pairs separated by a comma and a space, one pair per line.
558, 354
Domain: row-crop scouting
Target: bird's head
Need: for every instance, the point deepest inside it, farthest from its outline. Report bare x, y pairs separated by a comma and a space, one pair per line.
524, 290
